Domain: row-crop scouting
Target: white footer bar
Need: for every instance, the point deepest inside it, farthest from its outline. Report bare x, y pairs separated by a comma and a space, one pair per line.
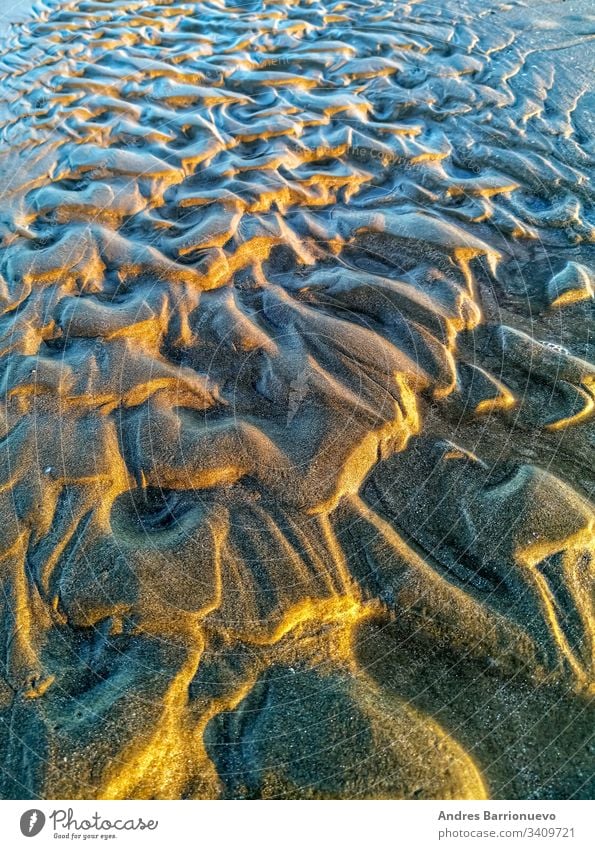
298, 825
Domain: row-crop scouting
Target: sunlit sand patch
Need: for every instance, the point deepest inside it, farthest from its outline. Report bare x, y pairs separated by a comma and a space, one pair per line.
293, 307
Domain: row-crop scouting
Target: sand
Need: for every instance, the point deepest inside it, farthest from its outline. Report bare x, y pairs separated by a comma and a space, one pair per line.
297, 399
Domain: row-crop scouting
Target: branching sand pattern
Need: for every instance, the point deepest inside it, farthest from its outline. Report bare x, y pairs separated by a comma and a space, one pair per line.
297, 402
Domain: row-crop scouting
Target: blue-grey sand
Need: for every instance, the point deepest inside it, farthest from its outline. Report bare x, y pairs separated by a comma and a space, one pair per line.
296, 361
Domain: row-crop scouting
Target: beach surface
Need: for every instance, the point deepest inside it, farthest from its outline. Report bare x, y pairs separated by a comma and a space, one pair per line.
297, 374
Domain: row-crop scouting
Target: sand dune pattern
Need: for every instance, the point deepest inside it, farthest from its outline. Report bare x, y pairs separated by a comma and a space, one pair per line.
297, 403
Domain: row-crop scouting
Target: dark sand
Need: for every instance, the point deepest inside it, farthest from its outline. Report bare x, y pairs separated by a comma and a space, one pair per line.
297, 399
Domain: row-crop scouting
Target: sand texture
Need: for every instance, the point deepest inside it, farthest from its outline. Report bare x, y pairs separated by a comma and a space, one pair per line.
296, 468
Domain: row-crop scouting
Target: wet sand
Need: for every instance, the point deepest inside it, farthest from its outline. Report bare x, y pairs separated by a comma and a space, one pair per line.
296, 310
